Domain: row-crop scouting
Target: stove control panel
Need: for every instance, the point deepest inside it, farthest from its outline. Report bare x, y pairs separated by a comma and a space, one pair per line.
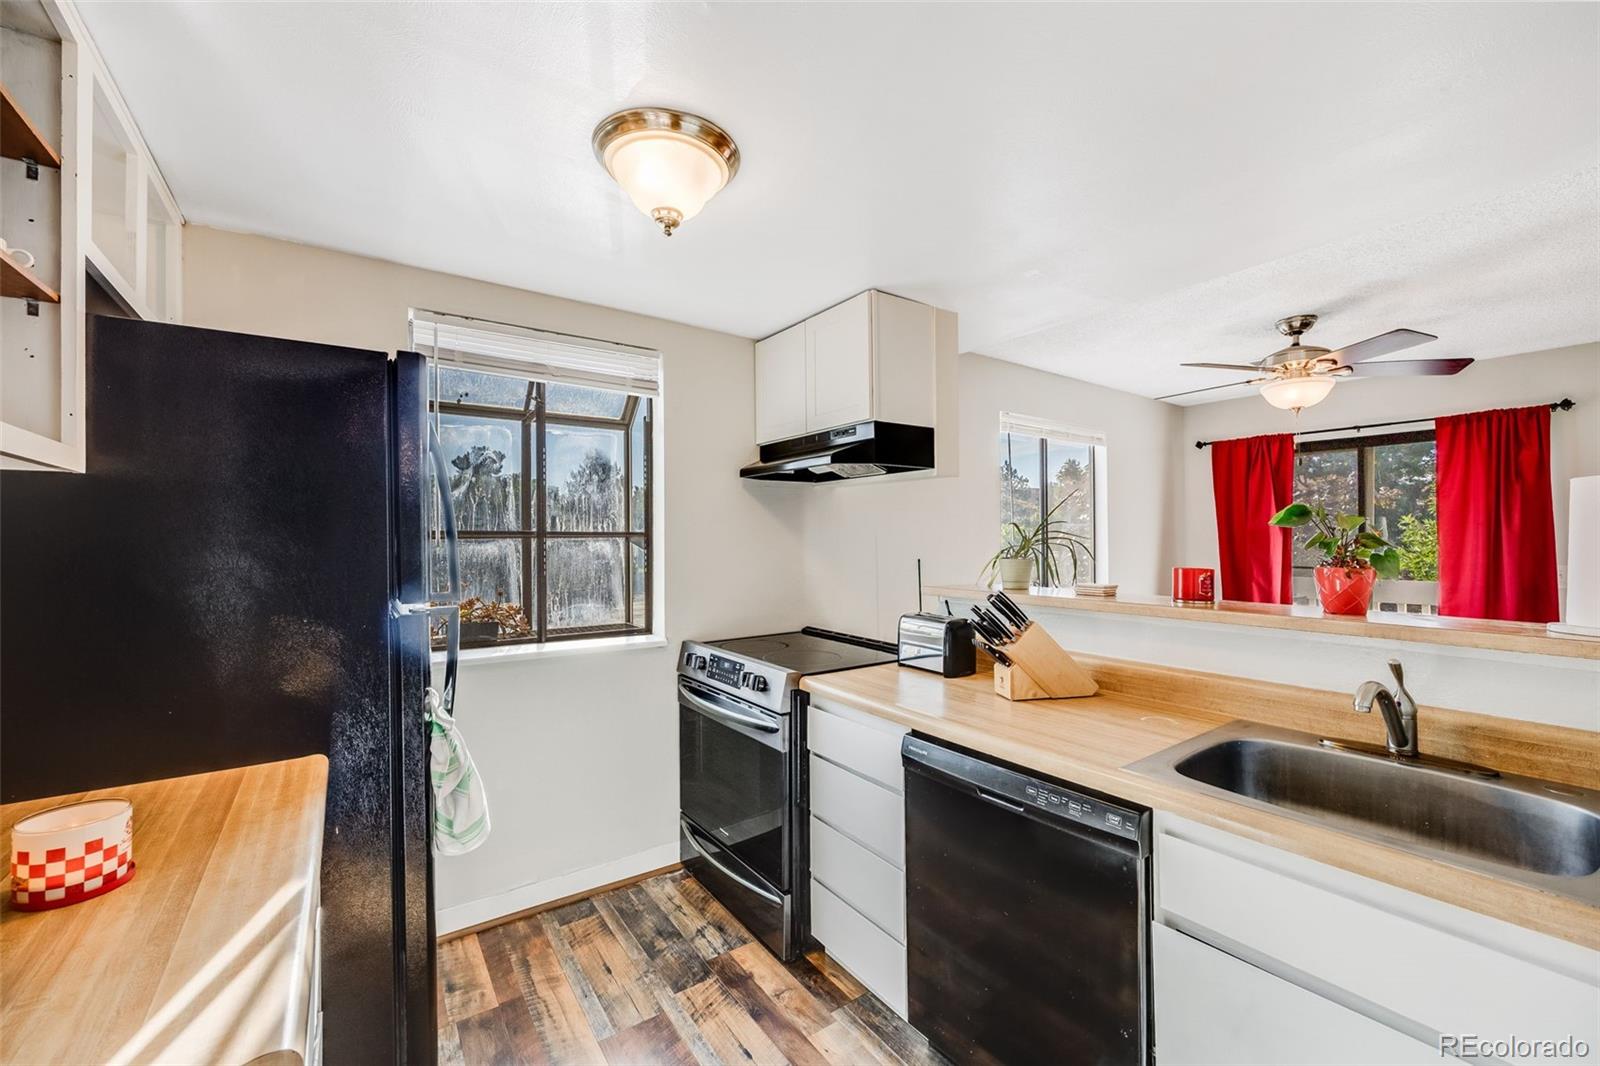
750, 680
730, 672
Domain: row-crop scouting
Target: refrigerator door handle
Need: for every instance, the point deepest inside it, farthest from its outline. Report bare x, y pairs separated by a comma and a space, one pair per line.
447, 510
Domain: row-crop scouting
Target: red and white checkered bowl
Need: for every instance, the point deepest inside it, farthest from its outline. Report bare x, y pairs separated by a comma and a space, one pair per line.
71, 853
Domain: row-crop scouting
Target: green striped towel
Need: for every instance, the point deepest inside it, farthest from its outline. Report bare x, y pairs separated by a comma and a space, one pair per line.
460, 809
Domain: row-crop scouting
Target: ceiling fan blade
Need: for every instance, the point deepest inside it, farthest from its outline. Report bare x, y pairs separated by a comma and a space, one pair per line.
1384, 343
1410, 368
1210, 388
1246, 367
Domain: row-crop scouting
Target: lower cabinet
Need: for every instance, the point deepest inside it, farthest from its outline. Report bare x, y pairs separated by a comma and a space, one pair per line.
1213, 1010
858, 881
1260, 955
872, 956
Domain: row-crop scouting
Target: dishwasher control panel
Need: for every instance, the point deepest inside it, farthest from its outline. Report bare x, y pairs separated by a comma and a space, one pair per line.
1079, 808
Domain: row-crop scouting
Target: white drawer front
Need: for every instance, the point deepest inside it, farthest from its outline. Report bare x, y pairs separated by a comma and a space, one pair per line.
869, 746
872, 956
863, 880
859, 808
1213, 1010
1433, 977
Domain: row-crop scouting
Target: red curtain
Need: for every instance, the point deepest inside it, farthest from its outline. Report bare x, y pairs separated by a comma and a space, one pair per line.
1497, 529
1253, 479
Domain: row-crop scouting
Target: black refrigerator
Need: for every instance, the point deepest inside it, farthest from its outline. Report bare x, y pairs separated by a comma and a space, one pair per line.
241, 577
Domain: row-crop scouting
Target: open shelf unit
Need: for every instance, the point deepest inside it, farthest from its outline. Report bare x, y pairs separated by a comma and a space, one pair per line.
81, 193
20, 138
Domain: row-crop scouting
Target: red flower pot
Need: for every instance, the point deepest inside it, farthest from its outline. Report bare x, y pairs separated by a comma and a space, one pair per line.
1345, 590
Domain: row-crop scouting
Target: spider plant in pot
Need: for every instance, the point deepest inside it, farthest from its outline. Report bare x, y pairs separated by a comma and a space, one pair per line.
1040, 545
1355, 557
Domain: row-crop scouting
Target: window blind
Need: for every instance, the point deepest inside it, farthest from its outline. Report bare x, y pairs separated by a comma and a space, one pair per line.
498, 348
1030, 426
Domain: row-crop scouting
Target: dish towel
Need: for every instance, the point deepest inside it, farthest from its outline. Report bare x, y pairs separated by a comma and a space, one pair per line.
460, 809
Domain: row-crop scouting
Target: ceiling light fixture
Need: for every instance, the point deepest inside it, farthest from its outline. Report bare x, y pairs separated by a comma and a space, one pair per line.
1296, 392
670, 163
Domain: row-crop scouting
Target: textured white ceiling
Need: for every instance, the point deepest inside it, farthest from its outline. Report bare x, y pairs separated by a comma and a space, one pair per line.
1122, 187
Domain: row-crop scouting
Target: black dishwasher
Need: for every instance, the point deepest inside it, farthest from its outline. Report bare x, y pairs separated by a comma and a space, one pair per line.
1027, 913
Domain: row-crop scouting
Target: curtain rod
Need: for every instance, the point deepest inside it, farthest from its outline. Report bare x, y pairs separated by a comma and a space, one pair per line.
1563, 404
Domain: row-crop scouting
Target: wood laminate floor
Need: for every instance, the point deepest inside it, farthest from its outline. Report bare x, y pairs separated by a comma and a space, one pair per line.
654, 972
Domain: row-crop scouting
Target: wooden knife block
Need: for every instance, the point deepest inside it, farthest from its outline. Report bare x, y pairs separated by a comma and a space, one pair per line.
1041, 670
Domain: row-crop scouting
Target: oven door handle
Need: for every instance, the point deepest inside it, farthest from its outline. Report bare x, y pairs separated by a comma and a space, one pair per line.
690, 834
722, 714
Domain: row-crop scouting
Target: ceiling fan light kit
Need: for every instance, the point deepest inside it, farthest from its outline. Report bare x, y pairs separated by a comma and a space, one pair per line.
1302, 375
1292, 394
669, 162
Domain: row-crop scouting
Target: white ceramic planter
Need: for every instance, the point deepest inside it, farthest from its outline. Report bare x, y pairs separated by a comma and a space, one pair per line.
1016, 573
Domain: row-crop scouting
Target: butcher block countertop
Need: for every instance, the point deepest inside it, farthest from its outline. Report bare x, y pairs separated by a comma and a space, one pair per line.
1481, 633
1142, 709
205, 956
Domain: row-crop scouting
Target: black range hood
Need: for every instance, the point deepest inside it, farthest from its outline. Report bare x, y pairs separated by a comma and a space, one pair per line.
865, 449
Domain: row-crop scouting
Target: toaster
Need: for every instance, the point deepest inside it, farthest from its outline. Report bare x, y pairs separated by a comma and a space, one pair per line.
939, 643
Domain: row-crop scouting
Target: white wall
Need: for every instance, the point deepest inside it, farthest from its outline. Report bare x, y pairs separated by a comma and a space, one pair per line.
1512, 381
578, 751
862, 538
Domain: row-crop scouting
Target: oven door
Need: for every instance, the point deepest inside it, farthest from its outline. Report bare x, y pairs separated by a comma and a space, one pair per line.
734, 777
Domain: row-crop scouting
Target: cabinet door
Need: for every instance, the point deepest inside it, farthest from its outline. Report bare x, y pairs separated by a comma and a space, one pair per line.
781, 385
904, 359
1211, 1008
839, 365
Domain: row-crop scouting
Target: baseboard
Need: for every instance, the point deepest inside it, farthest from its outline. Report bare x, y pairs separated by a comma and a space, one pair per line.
491, 910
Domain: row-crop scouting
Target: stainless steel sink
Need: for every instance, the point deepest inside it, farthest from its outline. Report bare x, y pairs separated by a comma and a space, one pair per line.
1541, 833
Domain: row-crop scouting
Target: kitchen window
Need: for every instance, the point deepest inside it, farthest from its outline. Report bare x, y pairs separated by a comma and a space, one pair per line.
551, 447
1047, 467
1391, 479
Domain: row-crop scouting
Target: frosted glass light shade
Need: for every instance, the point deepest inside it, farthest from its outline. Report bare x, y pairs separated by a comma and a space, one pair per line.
665, 171
1292, 394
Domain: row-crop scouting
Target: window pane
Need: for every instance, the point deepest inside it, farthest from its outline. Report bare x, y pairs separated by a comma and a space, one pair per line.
1071, 468
485, 390
584, 467
585, 582
1327, 478
1071, 488
1019, 482
637, 510
577, 400
1406, 511
485, 457
491, 571
640, 584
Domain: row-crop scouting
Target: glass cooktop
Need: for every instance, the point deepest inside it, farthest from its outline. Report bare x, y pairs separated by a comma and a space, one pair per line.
809, 651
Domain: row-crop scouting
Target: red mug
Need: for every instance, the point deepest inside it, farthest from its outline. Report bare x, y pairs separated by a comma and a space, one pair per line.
1194, 584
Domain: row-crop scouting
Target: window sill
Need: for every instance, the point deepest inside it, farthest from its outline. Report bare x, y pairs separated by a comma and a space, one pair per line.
557, 650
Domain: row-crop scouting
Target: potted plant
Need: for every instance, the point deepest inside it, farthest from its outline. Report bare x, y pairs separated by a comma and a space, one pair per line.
1355, 557
1023, 548
482, 621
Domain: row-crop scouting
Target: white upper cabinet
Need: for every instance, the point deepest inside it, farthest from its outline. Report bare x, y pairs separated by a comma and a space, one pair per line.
84, 198
839, 365
781, 385
871, 357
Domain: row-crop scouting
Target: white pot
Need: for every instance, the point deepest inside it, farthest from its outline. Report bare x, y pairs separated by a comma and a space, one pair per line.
1016, 573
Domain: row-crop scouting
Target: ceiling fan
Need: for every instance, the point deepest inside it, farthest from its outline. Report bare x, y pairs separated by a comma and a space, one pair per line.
1302, 375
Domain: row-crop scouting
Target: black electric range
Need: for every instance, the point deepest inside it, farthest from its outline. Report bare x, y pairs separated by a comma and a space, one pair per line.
742, 770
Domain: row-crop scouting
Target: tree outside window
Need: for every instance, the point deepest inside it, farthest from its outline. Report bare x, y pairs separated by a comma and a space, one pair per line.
1390, 479
551, 484
1038, 474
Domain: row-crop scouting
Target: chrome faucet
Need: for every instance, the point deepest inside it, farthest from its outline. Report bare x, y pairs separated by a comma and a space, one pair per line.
1398, 708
